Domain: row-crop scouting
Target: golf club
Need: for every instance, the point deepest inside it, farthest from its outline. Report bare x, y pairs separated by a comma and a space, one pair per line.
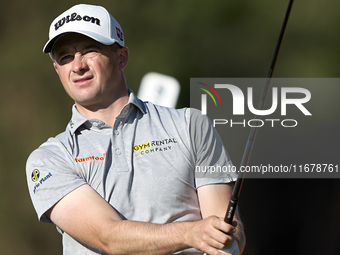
253, 131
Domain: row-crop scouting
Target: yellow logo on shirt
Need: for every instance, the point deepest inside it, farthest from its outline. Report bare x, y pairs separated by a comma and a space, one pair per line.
155, 146
142, 146
35, 175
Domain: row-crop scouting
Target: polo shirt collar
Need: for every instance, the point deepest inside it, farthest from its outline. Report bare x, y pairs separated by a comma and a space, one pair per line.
136, 101
77, 119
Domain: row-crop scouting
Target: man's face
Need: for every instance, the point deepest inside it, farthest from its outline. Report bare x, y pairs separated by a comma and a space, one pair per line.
90, 72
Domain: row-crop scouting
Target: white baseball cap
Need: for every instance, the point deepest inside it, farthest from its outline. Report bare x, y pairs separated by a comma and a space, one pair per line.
90, 20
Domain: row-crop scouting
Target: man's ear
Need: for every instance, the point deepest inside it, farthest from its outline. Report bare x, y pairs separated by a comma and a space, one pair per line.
55, 67
123, 54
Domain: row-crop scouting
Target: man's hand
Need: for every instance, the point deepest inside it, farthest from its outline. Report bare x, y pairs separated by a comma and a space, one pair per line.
214, 200
211, 235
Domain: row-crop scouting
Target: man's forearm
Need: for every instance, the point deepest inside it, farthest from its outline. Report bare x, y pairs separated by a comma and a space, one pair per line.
88, 218
131, 237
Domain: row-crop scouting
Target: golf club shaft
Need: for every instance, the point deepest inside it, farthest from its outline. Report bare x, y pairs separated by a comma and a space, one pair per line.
253, 131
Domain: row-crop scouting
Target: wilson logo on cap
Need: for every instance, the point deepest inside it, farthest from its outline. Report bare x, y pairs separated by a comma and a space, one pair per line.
76, 17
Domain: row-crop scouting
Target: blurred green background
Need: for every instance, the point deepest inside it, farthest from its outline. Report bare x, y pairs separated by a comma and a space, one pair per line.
184, 39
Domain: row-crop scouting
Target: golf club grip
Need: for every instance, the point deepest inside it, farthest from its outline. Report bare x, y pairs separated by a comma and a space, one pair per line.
231, 210
234, 198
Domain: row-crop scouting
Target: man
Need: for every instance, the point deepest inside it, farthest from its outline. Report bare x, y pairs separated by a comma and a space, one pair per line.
121, 178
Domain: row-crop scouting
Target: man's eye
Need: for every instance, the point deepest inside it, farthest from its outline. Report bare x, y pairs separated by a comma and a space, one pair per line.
65, 59
91, 52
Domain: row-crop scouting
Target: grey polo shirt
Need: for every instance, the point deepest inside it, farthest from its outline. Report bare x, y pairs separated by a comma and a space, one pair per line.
144, 165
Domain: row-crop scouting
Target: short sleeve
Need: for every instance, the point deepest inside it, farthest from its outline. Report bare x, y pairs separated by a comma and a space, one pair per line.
50, 176
212, 162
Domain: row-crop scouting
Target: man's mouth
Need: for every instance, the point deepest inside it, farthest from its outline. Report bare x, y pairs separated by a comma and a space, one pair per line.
83, 80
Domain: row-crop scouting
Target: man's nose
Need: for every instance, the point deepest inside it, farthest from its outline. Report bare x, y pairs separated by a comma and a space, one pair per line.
79, 63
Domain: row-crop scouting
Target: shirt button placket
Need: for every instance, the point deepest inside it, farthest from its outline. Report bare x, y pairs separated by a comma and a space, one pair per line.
120, 163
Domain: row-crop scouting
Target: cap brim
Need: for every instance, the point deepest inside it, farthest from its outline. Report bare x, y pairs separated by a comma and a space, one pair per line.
97, 37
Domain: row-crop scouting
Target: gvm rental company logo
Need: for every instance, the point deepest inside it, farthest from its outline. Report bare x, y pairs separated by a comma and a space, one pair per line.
288, 96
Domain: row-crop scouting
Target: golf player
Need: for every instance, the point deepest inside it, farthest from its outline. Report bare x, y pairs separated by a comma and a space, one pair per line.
121, 179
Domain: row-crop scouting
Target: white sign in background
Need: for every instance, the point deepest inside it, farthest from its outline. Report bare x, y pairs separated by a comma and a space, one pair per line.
159, 89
